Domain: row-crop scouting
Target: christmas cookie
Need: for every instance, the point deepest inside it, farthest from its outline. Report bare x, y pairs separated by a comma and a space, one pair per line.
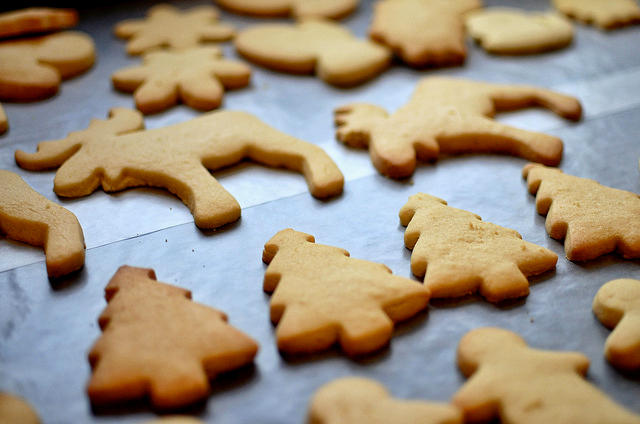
605, 14
332, 9
33, 20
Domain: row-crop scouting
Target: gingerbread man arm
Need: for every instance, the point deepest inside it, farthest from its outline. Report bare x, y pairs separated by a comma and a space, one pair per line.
27, 216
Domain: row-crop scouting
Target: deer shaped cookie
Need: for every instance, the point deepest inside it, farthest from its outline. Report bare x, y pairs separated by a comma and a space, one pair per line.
452, 116
117, 154
617, 306
514, 383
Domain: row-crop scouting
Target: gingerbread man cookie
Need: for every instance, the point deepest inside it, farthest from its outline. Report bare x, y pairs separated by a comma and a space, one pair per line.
617, 306
197, 76
314, 46
168, 26
423, 32
332, 9
27, 216
156, 342
514, 383
32, 68
321, 296
117, 154
592, 219
355, 400
33, 20
512, 31
452, 116
496, 261
605, 14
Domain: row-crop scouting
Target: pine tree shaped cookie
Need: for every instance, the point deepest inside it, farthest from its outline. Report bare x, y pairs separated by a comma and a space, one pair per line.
117, 154
27, 216
157, 343
514, 383
617, 306
458, 253
592, 219
354, 400
168, 26
452, 116
321, 296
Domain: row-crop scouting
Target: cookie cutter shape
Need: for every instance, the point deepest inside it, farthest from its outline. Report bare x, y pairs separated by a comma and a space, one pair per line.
357, 400
617, 307
314, 46
15, 410
605, 14
512, 31
26, 215
32, 20
332, 9
452, 116
461, 254
156, 342
117, 154
592, 219
518, 384
32, 68
196, 76
321, 297
168, 26
423, 32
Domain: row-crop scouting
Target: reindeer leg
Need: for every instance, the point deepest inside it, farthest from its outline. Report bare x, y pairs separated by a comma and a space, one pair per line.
520, 97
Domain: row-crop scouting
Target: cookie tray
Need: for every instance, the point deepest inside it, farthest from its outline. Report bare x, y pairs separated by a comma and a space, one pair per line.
47, 327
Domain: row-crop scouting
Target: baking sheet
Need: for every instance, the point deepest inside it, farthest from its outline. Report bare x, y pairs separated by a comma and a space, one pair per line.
47, 327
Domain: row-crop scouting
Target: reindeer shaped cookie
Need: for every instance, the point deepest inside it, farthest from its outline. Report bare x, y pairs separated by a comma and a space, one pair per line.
518, 384
452, 116
117, 154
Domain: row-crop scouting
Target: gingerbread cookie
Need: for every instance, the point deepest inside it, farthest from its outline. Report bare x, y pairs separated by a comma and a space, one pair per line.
15, 410
196, 76
117, 154
511, 31
156, 342
496, 261
605, 14
314, 46
592, 219
32, 68
452, 116
355, 400
617, 306
33, 20
321, 297
423, 32
514, 383
26, 215
4, 122
168, 26
332, 9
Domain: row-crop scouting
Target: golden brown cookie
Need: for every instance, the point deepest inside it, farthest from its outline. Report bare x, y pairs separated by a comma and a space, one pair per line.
356, 400
592, 219
514, 383
423, 32
314, 46
332, 9
605, 14
458, 253
196, 76
32, 68
26, 215
321, 297
512, 31
617, 306
168, 26
15, 410
33, 20
117, 154
452, 116
157, 343
4, 122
